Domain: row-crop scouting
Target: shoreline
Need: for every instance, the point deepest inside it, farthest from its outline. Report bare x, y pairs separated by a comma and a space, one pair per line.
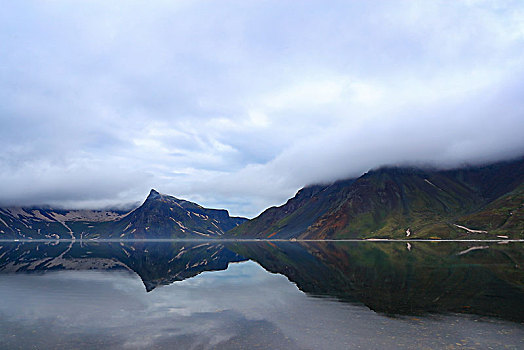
260, 240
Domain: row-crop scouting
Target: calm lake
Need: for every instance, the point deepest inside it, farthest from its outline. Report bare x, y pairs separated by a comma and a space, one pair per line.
261, 295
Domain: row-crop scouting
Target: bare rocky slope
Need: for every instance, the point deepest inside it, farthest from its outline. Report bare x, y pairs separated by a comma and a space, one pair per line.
160, 216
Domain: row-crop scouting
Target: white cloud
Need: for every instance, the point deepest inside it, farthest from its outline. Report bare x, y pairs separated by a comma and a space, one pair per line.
305, 95
238, 104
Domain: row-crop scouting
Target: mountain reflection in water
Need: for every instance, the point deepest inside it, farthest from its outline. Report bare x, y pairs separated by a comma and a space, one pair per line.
422, 281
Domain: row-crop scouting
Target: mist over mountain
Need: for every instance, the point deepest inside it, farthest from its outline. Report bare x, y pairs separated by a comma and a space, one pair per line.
238, 106
388, 202
483, 202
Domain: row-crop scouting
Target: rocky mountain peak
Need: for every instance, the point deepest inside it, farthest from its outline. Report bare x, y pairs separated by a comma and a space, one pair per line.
153, 194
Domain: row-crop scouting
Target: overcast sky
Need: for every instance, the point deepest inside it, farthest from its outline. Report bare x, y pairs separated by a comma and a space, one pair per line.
238, 104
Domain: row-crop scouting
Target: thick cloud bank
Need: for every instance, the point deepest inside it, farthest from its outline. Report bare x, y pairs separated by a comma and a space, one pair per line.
238, 104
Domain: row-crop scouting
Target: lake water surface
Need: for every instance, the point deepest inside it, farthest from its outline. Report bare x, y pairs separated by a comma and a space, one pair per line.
261, 295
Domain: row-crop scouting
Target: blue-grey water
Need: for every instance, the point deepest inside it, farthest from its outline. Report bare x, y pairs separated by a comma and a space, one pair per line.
261, 295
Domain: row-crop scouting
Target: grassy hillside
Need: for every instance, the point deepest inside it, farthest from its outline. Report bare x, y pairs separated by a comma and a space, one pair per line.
403, 203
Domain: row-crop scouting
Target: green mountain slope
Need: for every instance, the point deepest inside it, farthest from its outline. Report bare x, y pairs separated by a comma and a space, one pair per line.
400, 203
297, 214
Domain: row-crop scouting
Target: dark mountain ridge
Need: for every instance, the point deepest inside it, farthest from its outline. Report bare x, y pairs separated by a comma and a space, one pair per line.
160, 216
400, 202
389, 202
163, 216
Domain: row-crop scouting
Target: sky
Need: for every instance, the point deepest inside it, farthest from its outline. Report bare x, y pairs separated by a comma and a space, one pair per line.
238, 104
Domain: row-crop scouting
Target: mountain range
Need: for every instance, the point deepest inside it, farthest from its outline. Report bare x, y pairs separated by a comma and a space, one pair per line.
390, 202
160, 216
403, 202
